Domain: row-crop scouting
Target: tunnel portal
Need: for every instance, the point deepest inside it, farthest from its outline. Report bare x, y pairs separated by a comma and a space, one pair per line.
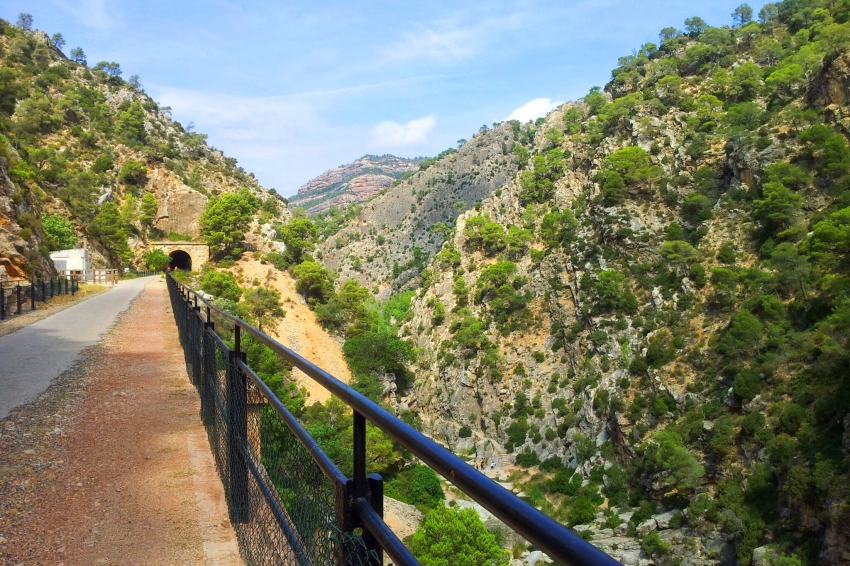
180, 260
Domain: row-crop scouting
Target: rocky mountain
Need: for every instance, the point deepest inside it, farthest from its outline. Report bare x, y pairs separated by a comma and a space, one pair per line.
649, 320
355, 182
390, 240
89, 159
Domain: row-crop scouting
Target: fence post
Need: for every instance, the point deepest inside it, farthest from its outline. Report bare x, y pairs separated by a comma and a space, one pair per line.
2, 303
43, 292
74, 286
362, 489
237, 414
18, 290
32, 295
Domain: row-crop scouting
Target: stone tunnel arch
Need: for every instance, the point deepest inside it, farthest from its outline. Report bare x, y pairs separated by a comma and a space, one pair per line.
180, 260
192, 255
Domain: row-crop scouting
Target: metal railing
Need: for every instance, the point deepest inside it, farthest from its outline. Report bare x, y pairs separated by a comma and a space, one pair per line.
19, 296
289, 503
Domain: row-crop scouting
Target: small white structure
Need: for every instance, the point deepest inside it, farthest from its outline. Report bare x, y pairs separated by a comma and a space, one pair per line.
71, 260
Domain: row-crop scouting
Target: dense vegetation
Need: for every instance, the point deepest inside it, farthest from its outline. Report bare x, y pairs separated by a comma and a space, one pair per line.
708, 252
80, 143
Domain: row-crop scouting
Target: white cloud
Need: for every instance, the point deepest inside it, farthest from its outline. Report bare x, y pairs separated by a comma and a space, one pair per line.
535, 109
389, 134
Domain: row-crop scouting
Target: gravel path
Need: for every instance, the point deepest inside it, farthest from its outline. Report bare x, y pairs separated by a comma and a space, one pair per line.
31, 358
111, 464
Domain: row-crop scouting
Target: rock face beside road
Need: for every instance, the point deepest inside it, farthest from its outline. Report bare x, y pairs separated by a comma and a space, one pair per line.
354, 182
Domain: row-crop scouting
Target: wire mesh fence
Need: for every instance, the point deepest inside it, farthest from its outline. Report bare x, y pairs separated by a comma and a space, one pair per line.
289, 504
283, 506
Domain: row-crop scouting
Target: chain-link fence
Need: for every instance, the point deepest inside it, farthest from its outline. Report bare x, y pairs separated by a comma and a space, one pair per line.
289, 504
283, 505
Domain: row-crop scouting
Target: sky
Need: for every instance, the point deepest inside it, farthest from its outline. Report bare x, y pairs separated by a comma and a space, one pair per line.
291, 89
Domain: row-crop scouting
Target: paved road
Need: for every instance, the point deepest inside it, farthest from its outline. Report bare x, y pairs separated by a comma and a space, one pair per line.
32, 357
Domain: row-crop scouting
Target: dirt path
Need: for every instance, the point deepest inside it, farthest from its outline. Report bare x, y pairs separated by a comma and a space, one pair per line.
110, 465
299, 330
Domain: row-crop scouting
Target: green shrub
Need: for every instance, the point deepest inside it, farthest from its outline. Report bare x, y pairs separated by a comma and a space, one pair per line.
416, 485
220, 284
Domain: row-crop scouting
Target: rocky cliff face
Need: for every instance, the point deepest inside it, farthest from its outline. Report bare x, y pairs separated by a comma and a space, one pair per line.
600, 318
390, 240
355, 182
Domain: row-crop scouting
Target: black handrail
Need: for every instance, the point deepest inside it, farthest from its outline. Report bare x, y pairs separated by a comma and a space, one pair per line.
556, 540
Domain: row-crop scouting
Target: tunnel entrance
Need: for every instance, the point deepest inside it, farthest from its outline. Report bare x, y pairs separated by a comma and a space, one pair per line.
180, 260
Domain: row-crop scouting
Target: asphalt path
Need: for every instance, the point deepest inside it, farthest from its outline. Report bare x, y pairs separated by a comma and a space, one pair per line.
32, 357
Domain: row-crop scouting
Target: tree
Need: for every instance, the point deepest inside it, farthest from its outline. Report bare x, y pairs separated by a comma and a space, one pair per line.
595, 100
157, 259
24, 21
769, 13
836, 37
225, 220
300, 236
678, 252
778, 209
667, 452
220, 284
631, 162
131, 124
130, 210
695, 26
135, 83
460, 143
109, 229
313, 281
59, 232
78, 56
133, 173
792, 268
742, 14
112, 68
150, 206
417, 485
373, 354
743, 335
667, 33
58, 41
263, 305
457, 538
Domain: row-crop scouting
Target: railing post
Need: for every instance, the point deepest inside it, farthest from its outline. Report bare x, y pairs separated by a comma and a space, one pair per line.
362, 487
376, 501
32, 295
2, 303
237, 415
18, 290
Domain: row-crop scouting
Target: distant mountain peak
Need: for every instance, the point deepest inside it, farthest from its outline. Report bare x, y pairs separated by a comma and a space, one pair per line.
354, 182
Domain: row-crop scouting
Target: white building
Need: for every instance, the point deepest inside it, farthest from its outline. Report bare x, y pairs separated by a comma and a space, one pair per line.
70, 260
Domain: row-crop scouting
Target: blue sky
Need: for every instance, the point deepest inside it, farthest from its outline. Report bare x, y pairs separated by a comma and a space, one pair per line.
294, 88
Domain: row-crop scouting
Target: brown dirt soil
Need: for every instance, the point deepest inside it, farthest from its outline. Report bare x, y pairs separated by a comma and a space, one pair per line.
298, 330
110, 465
54, 305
